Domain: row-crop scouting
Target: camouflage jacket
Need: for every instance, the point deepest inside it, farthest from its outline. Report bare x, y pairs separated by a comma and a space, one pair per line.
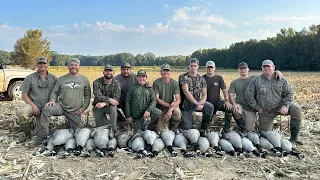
195, 85
140, 99
269, 95
102, 92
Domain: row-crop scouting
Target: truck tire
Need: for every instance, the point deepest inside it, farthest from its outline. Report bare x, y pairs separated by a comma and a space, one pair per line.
13, 90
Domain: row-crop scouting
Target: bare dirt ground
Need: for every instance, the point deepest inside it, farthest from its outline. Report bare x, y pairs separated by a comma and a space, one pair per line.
18, 162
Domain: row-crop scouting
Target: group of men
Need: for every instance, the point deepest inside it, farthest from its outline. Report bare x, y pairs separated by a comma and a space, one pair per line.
165, 102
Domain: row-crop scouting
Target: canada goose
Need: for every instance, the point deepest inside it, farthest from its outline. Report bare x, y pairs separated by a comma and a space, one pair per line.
273, 137
90, 146
101, 139
69, 147
254, 138
203, 146
192, 135
81, 135
138, 146
168, 137
265, 144
112, 145
181, 142
157, 146
59, 138
149, 137
235, 139
227, 146
288, 148
122, 139
248, 147
213, 138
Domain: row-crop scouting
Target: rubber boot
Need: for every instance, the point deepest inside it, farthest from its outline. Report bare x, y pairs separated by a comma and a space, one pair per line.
205, 122
294, 131
26, 128
227, 122
241, 125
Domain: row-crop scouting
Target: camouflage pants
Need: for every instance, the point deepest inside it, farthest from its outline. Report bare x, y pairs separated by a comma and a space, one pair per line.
151, 123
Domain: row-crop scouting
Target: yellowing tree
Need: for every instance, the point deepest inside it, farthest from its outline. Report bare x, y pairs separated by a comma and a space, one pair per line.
29, 48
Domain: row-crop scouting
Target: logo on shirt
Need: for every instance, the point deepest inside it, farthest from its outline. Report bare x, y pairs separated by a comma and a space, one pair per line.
216, 83
72, 85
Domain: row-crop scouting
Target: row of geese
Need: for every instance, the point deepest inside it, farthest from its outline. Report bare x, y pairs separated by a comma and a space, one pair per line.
105, 140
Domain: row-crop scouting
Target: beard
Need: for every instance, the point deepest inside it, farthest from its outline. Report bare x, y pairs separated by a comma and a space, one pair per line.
108, 76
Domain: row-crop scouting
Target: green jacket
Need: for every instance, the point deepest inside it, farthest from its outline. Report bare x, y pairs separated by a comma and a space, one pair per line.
140, 99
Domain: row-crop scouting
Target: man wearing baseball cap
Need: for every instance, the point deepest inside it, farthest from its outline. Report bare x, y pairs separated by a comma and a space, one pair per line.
36, 89
271, 97
168, 98
106, 91
194, 97
141, 105
215, 83
70, 97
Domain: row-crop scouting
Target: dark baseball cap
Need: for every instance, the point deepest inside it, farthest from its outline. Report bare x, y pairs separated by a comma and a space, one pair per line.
125, 65
108, 67
243, 65
193, 60
142, 73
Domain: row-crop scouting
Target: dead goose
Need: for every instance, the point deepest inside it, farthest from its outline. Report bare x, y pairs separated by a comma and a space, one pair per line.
90, 146
288, 148
227, 147
69, 147
273, 137
213, 138
122, 139
59, 138
235, 139
81, 135
181, 142
254, 138
203, 146
168, 137
265, 144
138, 145
157, 146
192, 135
149, 137
112, 145
248, 147
101, 139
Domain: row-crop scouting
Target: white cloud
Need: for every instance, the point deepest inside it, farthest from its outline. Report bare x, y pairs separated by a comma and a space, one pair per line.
59, 34
166, 6
282, 19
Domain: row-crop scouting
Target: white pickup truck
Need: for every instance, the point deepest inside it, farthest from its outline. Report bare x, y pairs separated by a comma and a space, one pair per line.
10, 81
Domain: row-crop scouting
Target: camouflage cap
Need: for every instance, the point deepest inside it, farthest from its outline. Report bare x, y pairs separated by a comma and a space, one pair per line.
142, 73
42, 59
125, 65
74, 60
193, 60
108, 67
243, 65
267, 63
165, 67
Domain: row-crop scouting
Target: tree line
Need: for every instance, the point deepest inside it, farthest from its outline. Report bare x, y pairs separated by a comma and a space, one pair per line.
289, 50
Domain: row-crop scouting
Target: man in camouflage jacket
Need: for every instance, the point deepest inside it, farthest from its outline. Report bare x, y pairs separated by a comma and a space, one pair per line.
270, 97
107, 93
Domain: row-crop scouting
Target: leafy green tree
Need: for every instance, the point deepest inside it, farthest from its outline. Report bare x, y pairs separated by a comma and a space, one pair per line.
30, 47
5, 57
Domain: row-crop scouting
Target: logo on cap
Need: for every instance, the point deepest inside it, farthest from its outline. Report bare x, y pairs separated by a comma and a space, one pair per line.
165, 67
142, 73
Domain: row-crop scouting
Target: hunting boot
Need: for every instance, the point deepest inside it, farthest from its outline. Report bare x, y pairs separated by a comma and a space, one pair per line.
241, 125
205, 125
26, 128
294, 131
227, 122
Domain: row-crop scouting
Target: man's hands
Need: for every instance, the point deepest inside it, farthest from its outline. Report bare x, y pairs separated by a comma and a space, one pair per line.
50, 104
113, 102
36, 110
146, 115
284, 110
79, 111
236, 107
227, 105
